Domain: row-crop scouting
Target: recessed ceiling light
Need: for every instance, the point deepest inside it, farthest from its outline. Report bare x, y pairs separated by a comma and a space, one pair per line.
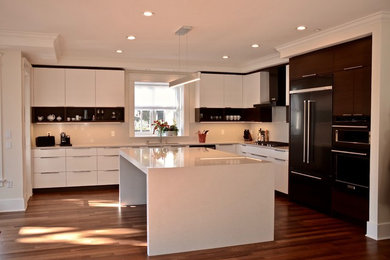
301, 28
255, 45
131, 37
148, 13
119, 51
225, 57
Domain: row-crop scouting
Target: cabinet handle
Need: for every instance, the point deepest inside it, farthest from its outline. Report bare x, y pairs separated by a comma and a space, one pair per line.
244, 152
82, 156
354, 67
309, 75
50, 172
48, 157
82, 171
351, 187
306, 175
111, 170
279, 159
346, 152
262, 156
110, 155
347, 114
358, 114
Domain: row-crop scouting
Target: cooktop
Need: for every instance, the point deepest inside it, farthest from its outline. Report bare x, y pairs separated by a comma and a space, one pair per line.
271, 143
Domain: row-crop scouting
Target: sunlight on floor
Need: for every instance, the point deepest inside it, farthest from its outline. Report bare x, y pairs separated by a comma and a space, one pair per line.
104, 203
86, 237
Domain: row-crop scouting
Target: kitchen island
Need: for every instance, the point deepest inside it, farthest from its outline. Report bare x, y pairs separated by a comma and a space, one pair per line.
198, 198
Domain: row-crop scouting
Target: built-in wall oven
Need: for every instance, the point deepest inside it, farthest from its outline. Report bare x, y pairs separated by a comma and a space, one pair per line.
351, 167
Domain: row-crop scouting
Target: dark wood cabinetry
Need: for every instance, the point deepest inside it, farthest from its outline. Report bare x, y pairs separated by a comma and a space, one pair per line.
352, 92
277, 85
353, 54
311, 64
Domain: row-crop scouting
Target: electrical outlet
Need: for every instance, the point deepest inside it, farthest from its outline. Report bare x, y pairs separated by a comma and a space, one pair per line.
222, 131
8, 145
112, 133
10, 184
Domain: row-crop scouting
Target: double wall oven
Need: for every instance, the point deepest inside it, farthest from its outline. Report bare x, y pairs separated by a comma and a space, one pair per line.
351, 166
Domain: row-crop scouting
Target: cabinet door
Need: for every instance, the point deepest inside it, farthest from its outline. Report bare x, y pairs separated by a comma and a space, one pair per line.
80, 88
281, 174
343, 93
108, 177
353, 54
81, 163
81, 178
211, 90
110, 88
313, 63
229, 148
49, 179
232, 91
251, 90
49, 87
362, 91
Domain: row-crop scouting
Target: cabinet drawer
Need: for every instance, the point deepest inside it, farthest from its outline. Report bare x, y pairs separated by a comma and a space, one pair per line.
279, 154
81, 152
108, 162
108, 177
107, 151
280, 169
81, 178
49, 180
257, 152
81, 163
42, 152
49, 164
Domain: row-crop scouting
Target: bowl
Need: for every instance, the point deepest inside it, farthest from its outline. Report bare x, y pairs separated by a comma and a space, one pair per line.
40, 118
51, 117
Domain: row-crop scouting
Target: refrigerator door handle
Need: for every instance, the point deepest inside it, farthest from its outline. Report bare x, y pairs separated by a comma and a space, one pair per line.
304, 131
308, 131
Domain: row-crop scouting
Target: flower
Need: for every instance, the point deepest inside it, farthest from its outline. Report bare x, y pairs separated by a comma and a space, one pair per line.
160, 126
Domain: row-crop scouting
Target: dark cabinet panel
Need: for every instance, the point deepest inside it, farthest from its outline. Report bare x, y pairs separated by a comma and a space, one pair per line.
343, 93
277, 85
314, 63
353, 54
352, 92
362, 91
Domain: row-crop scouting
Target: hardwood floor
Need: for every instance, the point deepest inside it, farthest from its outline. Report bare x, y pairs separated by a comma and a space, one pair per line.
88, 224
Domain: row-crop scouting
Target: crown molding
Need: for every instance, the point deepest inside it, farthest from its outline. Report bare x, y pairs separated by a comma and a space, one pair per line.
32, 44
345, 32
263, 62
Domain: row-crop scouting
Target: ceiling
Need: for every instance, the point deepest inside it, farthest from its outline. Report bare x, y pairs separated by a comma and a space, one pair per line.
91, 30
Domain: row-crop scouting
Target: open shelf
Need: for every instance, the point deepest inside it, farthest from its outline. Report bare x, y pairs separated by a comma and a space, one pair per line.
227, 114
78, 114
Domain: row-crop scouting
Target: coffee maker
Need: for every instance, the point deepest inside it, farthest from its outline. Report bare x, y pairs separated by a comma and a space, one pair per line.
65, 140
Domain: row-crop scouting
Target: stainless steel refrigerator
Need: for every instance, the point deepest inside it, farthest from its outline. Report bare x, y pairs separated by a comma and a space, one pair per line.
310, 162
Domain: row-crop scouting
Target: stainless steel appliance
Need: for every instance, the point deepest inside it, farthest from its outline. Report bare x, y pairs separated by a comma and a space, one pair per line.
310, 156
65, 139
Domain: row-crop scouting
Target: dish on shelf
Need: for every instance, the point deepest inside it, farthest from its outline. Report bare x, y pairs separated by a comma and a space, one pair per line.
51, 117
40, 118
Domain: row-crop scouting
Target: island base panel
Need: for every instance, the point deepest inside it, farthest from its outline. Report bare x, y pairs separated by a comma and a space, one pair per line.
132, 188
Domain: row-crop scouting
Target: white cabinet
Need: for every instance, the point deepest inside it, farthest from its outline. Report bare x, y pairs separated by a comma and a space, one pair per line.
80, 88
255, 89
49, 87
110, 88
229, 148
81, 167
211, 90
232, 91
279, 159
49, 179
108, 165
48, 168
81, 178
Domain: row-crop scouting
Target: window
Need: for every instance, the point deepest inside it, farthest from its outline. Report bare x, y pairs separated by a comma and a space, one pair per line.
156, 101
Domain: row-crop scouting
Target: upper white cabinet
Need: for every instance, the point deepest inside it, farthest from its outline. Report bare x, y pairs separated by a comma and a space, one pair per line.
49, 87
211, 90
255, 89
110, 88
80, 88
219, 90
232, 91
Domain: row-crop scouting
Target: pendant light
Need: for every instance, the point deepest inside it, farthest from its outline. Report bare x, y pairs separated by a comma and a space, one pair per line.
190, 77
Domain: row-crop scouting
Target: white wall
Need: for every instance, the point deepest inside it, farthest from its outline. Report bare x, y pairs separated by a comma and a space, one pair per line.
12, 198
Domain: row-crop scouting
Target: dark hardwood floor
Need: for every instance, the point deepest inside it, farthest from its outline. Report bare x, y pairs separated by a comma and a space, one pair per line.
88, 224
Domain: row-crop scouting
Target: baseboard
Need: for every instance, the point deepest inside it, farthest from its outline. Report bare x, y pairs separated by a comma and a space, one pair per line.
378, 231
9, 205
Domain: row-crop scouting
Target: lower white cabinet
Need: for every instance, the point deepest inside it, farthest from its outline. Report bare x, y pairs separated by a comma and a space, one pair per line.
49, 179
229, 148
279, 159
81, 163
108, 177
81, 178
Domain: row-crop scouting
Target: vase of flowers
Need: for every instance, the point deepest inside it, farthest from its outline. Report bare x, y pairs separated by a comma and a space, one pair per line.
160, 126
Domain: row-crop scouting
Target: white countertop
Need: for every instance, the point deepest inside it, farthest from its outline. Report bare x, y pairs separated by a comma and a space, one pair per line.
180, 157
281, 148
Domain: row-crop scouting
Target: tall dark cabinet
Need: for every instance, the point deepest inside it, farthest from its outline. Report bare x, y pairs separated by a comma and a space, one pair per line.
342, 188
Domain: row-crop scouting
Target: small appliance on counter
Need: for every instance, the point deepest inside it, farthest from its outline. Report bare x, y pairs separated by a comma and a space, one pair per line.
65, 140
42, 141
247, 135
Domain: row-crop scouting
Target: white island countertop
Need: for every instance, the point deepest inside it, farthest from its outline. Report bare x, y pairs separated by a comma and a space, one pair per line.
198, 198
179, 157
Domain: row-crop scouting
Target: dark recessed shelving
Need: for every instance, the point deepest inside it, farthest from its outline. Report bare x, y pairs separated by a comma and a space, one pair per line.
78, 114
227, 114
